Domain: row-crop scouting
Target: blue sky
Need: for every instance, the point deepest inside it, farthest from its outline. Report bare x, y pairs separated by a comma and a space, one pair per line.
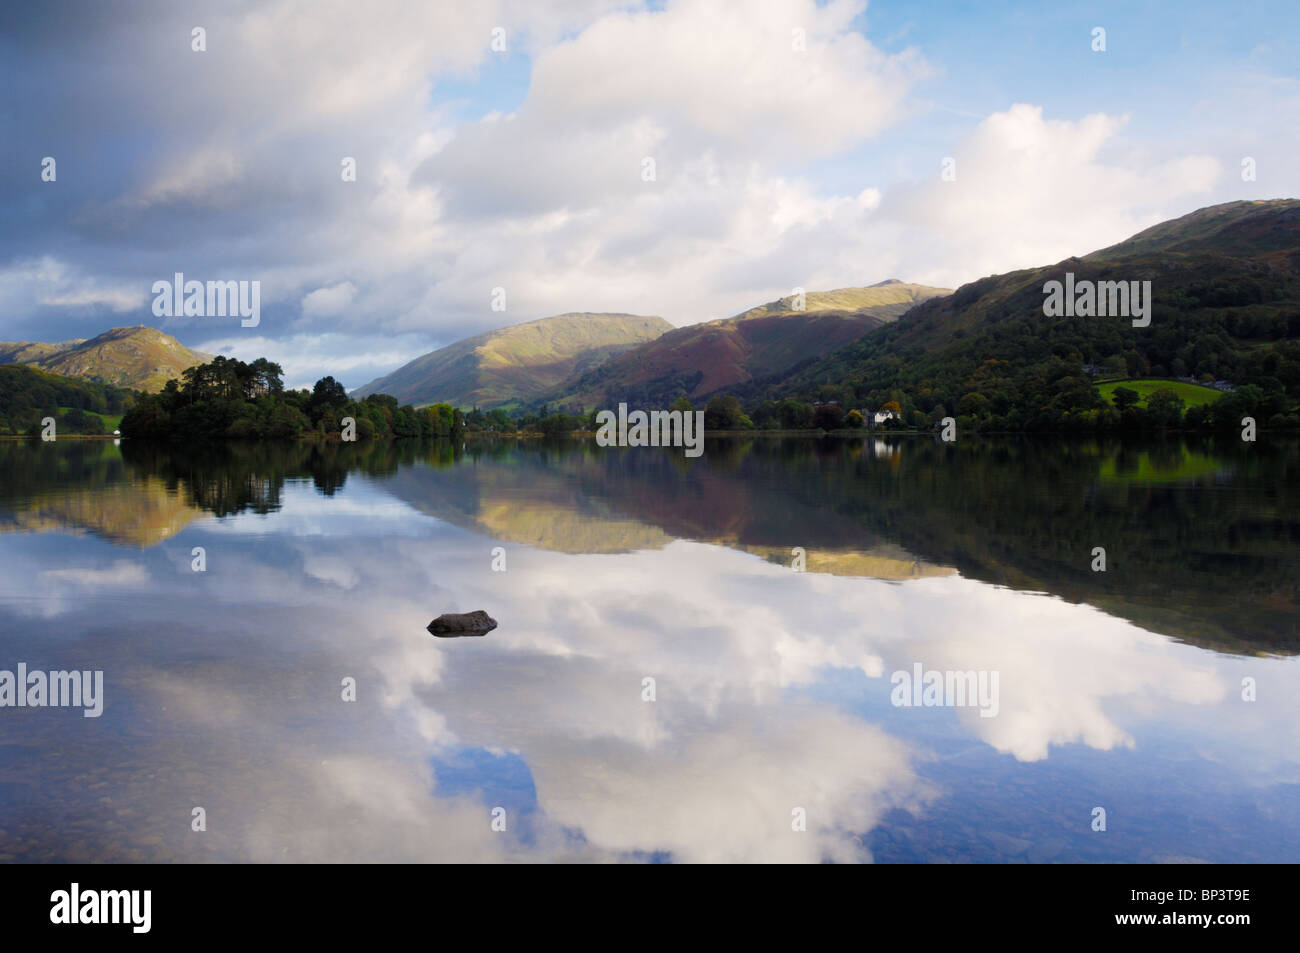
775, 168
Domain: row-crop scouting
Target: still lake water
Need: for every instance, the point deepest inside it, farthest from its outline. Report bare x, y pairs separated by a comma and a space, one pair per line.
772, 688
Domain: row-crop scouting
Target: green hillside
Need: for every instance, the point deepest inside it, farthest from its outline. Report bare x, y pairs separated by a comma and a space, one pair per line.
28, 395
108, 422
1256, 229
1193, 395
771, 339
517, 363
1225, 282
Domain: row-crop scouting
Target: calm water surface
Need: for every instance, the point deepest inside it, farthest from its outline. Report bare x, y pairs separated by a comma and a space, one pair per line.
1119, 689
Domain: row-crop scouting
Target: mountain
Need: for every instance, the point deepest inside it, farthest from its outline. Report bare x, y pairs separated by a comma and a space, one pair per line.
139, 358
32, 352
1225, 287
772, 339
516, 363
1258, 229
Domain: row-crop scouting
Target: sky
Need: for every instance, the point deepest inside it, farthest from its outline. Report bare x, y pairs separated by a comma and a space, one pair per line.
793, 144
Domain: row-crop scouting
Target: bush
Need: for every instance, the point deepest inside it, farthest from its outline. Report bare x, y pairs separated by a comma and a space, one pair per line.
828, 416
723, 413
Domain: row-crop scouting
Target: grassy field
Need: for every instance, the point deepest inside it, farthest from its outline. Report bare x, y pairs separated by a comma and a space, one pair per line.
1193, 395
111, 421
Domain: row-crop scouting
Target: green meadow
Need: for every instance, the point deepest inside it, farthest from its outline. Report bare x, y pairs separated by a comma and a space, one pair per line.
1193, 395
111, 421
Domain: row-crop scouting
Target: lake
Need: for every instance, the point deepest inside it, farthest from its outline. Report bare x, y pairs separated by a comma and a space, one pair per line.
727, 658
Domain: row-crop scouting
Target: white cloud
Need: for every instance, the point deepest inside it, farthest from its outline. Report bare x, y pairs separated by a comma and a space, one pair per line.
696, 81
329, 302
1031, 191
49, 282
544, 195
305, 358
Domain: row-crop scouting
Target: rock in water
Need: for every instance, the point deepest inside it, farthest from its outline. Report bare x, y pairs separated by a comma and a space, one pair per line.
452, 624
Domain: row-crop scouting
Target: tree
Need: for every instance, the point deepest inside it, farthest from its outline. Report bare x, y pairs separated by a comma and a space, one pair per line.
77, 420
329, 391
795, 415
148, 419
828, 416
1230, 408
228, 398
1115, 366
1165, 408
974, 403
1123, 398
557, 424
265, 377
723, 413
328, 398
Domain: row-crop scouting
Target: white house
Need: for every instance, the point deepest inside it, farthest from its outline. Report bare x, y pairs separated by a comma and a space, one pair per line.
880, 416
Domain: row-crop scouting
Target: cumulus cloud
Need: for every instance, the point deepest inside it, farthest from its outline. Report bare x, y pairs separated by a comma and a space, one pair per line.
695, 81
328, 302
1030, 190
525, 169
306, 357
49, 283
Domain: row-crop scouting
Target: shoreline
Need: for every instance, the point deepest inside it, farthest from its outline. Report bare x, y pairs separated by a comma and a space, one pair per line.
591, 434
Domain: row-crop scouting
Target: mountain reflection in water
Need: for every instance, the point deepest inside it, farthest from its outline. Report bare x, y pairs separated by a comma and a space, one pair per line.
1119, 689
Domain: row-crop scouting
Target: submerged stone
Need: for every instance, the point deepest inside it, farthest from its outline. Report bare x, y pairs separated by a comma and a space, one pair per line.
452, 624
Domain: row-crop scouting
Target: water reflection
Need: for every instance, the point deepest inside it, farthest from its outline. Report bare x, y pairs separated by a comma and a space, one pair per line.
771, 688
